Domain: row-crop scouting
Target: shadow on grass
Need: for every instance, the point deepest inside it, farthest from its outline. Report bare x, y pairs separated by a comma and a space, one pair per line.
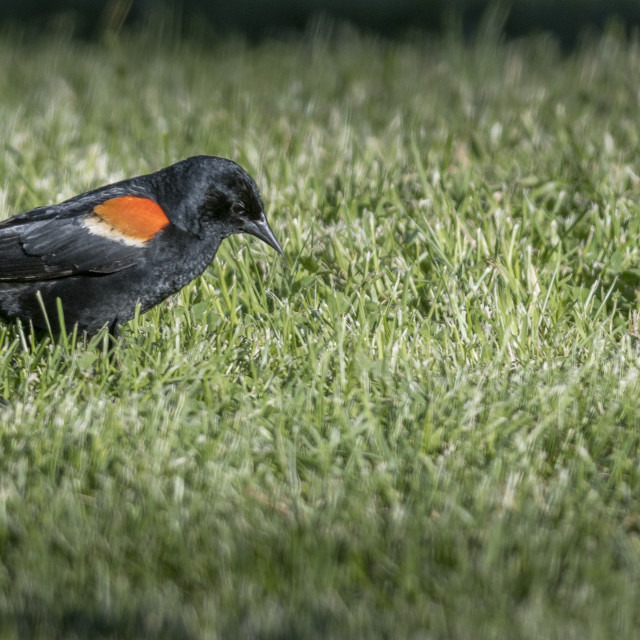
618, 290
77, 623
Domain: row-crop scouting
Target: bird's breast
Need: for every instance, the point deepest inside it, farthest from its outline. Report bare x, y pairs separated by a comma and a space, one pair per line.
175, 259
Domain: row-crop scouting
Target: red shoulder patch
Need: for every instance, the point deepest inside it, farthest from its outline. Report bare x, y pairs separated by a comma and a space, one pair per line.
132, 216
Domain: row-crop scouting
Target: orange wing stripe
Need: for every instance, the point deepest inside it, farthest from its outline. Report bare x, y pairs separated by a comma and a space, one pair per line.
132, 216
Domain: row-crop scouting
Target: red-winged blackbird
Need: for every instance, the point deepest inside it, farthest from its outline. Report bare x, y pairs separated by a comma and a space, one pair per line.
136, 241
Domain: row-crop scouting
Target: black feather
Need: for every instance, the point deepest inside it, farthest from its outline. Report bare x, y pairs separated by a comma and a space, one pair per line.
33, 249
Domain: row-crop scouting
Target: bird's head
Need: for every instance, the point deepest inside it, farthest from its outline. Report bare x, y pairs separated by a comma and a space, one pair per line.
231, 203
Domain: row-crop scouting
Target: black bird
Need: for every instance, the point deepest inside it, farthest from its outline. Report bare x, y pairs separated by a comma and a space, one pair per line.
136, 241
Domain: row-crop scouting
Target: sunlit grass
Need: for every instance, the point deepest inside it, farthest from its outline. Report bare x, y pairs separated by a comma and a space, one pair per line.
421, 423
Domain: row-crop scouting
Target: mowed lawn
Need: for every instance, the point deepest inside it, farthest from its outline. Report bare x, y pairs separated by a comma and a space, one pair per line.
422, 423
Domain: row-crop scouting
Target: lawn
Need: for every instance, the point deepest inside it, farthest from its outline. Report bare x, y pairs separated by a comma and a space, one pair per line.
424, 422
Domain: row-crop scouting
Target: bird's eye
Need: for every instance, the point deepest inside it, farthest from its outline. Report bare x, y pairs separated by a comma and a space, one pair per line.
237, 209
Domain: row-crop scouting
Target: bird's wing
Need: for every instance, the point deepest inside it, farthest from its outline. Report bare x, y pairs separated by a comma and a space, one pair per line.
81, 236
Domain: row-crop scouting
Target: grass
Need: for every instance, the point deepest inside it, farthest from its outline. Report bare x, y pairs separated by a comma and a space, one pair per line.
422, 424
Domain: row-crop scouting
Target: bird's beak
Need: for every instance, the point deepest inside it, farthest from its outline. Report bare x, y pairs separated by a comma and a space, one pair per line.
260, 229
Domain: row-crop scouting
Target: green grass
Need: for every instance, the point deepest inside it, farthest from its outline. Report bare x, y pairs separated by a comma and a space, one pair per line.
424, 423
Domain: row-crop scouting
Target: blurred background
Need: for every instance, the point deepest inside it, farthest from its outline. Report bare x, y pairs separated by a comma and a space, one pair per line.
257, 19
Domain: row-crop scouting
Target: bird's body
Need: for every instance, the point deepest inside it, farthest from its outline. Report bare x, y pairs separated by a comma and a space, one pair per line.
133, 242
